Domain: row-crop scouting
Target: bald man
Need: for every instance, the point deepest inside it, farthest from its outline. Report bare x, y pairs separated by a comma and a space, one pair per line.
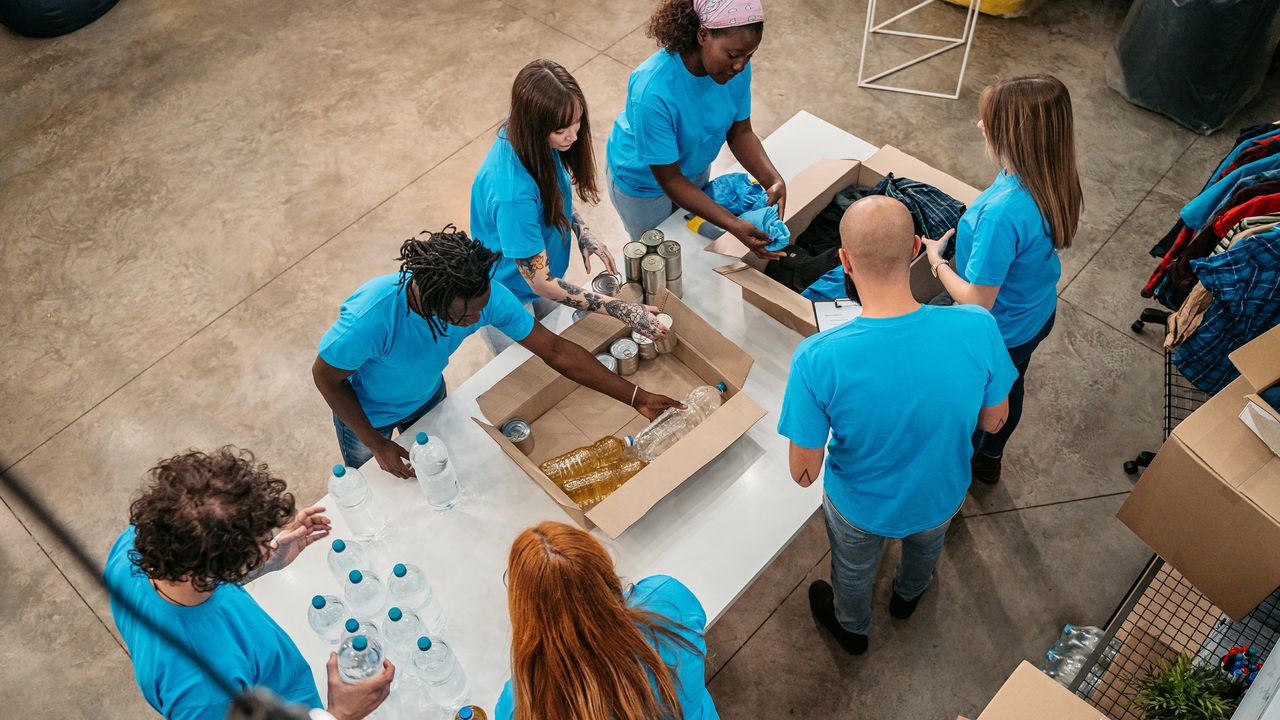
895, 396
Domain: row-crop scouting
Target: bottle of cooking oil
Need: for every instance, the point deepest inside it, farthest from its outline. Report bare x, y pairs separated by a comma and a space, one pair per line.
578, 462
589, 489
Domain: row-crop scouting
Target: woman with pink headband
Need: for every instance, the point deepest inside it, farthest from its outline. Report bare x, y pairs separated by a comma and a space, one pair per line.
683, 104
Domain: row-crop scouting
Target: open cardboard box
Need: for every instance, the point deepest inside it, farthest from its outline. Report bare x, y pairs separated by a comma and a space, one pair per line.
565, 415
1029, 694
1209, 504
807, 195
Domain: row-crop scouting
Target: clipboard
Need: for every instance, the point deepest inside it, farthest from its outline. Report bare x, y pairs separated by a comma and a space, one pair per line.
829, 314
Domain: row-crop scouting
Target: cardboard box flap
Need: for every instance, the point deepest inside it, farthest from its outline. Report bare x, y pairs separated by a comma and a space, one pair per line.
890, 159
1216, 438
1030, 694
780, 301
715, 348
1259, 359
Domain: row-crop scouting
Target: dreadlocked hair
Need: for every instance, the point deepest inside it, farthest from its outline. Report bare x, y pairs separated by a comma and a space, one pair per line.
443, 266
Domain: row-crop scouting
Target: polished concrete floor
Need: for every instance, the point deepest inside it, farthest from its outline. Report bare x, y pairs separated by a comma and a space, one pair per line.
189, 190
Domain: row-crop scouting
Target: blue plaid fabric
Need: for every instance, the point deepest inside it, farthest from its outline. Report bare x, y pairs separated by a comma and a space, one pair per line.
1245, 284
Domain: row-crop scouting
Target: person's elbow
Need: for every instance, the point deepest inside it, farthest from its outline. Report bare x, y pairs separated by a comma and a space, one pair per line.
993, 418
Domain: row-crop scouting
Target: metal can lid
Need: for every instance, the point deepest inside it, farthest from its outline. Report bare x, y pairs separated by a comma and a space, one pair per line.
517, 429
605, 283
639, 339
653, 263
635, 250
624, 348
669, 249
652, 238
608, 360
666, 320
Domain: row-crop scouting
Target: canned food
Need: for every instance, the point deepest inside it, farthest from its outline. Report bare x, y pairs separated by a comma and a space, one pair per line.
668, 343
632, 254
648, 350
627, 354
651, 239
520, 433
669, 250
608, 361
606, 283
655, 274
675, 286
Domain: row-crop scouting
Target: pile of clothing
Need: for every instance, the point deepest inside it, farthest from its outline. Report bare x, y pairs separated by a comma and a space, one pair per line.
1220, 263
744, 197
812, 267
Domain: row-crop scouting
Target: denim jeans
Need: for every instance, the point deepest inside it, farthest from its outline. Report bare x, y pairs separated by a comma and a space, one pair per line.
992, 444
645, 213
497, 341
354, 452
855, 553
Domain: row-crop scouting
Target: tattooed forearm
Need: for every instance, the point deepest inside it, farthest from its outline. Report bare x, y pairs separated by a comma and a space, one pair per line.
632, 314
576, 297
530, 266
804, 480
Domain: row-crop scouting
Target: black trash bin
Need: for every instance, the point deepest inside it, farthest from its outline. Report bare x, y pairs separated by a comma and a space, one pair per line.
50, 18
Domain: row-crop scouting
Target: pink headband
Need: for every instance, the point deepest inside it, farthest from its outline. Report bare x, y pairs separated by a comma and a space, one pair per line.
717, 14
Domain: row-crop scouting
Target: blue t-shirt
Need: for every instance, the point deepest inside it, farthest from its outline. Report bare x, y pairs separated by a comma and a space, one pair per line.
1003, 239
507, 214
672, 116
900, 398
397, 364
229, 629
668, 597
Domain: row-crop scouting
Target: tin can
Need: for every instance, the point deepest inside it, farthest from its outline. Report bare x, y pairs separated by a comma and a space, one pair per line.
632, 254
606, 283
675, 286
655, 275
668, 343
520, 433
648, 350
651, 239
579, 314
608, 361
669, 251
627, 354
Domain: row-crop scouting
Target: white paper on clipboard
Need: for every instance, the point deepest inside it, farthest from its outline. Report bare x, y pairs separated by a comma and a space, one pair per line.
834, 313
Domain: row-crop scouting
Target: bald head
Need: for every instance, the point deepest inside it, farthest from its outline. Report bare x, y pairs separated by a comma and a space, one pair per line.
878, 236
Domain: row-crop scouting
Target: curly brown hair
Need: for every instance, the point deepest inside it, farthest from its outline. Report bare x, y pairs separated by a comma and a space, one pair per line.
675, 24
207, 517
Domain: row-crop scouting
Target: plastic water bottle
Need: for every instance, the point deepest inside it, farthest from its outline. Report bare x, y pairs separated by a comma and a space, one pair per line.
325, 617
675, 423
359, 658
583, 460
365, 593
345, 556
401, 633
352, 627
354, 498
1069, 653
408, 588
441, 673
430, 460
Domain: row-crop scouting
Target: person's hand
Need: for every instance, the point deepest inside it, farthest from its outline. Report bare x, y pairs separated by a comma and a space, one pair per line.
777, 194
354, 701
651, 405
391, 457
305, 528
589, 246
755, 239
933, 248
642, 318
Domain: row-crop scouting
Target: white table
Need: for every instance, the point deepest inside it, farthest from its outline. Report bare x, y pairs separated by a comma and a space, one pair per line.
716, 533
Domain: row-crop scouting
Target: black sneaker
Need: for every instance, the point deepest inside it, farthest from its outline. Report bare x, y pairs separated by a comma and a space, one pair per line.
984, 468
822, 604
902, 608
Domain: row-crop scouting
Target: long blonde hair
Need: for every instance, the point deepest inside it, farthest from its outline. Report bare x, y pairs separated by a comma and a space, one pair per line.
1030, 129
578, 652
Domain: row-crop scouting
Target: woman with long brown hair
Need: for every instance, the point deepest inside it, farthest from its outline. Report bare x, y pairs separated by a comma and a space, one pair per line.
1007, 242
583, 647
522, 201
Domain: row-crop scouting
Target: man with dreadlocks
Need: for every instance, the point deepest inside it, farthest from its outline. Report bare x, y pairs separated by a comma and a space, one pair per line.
380, 365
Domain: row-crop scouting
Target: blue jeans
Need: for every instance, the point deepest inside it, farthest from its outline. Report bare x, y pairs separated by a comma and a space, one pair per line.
354, 452
992, 444
855, 554
645, 213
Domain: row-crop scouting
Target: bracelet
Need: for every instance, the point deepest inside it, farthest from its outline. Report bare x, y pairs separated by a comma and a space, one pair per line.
635, 389
934, 267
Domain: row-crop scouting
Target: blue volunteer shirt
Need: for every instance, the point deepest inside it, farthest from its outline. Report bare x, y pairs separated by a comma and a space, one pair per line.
1003, 239
229, 629
672, 116
900, 399
507, 214
668, 597
397, 364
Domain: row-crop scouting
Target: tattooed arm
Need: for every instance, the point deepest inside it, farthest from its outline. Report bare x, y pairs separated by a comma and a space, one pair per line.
805, 463
991, 419
589, 246
537, 273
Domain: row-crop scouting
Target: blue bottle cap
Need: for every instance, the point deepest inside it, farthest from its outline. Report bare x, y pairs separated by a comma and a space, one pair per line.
317, 602
630, 441
722, 387
339, 470
352, 625
395, 614
399, 570
465, 713
424, 643
355, 576
421, 438
339, 545
359, 643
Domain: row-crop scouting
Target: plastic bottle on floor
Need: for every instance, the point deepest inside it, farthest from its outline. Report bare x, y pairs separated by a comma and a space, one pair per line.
345, 556
675, 423
436, 477
359, 658
365, 593
408, 588
400, 633
589, 489
354, 498
440, 671
325, 616
580, 461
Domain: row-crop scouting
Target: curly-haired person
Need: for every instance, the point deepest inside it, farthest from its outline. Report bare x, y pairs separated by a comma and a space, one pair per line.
205, 524
683, 104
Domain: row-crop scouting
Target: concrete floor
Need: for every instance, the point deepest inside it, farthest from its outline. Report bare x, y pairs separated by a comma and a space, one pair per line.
190, 189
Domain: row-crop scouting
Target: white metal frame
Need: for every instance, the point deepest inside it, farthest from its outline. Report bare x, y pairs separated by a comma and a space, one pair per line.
965, 39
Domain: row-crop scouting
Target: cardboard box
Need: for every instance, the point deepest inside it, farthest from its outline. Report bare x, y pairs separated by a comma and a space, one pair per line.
807, 195
1259, 363
565, 415
1029, 694
1209, 504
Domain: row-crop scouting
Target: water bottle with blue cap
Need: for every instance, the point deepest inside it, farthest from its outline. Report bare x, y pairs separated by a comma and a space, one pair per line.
436, 477
359, 658
439, 670
325, 615
365, 593
401, 632
345, 556
408, 588
350, 491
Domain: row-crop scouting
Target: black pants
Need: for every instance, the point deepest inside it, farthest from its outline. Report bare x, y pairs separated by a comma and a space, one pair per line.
992, 444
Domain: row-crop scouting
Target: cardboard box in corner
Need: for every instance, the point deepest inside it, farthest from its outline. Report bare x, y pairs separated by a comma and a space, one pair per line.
807, 195
565, 415
1209, 504
1029, 694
